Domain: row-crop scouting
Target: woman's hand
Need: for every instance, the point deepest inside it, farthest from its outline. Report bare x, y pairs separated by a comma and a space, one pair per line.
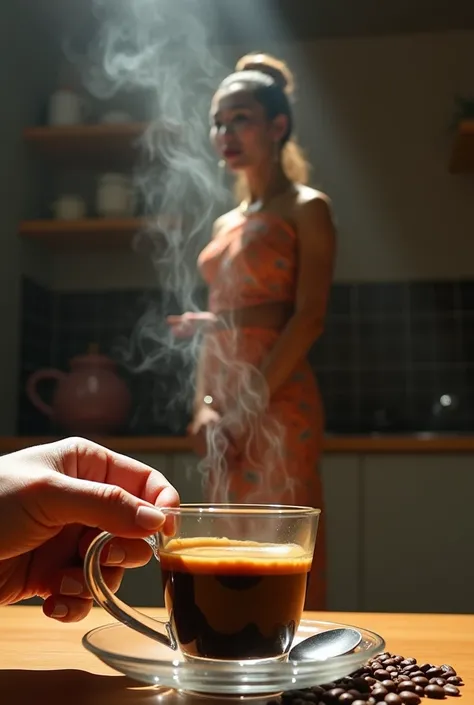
188, 324
210, 435
205, 422
53, 501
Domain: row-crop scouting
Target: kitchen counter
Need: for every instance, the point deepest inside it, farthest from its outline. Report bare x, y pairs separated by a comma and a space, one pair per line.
371, 443
44, 663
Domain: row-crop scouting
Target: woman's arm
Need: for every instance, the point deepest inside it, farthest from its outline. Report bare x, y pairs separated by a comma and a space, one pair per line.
207, 320
316, 255
200, 382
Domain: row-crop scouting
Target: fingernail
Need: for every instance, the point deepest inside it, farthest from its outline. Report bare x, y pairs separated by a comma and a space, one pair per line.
116, 555
69, 586
60, 611
149, 518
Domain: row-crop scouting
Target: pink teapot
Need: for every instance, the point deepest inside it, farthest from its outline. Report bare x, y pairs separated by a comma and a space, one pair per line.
91, 399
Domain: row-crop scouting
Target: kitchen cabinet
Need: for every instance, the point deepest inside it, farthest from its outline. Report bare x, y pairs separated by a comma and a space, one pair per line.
417, 533
341, 486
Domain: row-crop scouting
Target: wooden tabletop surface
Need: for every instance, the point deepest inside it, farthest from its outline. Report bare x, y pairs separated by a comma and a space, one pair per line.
43, 662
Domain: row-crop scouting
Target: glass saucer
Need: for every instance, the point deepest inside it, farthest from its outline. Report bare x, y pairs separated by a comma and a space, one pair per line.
147, 661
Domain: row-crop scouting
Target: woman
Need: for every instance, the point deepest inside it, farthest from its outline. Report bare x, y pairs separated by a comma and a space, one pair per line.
258, 416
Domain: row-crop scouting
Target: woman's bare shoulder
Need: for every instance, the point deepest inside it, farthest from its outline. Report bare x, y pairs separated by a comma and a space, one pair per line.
306, 194
224, 221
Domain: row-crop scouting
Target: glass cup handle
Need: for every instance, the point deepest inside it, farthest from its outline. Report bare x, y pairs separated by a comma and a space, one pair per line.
153, 628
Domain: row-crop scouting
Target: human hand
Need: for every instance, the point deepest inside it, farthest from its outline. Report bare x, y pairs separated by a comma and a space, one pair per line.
54, 499
205, 421
188, 324
209, 428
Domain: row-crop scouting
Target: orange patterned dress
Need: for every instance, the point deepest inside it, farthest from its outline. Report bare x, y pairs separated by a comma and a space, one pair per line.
250, 262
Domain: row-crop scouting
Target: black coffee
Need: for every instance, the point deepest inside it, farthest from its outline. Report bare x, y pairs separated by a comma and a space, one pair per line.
234, 600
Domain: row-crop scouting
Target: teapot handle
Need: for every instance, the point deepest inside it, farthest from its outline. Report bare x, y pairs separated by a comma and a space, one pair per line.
32, 392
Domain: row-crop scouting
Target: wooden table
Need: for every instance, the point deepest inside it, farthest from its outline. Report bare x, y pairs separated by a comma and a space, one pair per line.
43, 662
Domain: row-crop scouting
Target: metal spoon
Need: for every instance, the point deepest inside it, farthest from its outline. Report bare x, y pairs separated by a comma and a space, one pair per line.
329, 644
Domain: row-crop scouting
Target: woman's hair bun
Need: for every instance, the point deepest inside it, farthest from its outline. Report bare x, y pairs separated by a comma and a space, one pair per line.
271, 66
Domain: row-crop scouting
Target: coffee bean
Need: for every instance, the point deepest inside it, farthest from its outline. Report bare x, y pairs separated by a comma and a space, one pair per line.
293, 694
375, 665
336, 692
416, 674
420, 680
392, 669
399, 658
419, 690
389, 685
448, 674
410, 668
355, 693
451, 690
370, 680
379, 693
317, 690
393, 699
406, 685
359, 702
438, 681
455, 680
344, 682
389, 662
447, 668
371, 701
362, 685
408, 662
425, 667
381, 674
330, 696
433, 672
434, 691
409, 698
346, 698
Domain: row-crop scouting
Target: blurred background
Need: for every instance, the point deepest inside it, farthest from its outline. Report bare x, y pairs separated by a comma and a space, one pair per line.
385, 111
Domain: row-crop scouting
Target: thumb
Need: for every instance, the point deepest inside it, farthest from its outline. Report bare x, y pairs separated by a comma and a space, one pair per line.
64, 500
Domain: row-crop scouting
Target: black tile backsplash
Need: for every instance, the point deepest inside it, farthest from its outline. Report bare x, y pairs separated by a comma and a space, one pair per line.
36, 351
389, 353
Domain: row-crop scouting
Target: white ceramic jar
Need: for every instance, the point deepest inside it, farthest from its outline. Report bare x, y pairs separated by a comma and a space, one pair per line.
65, 108
69, 207
114, 196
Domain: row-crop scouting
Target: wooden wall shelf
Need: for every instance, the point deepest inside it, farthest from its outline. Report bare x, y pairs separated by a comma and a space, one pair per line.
462, 156
91, 146
103, 232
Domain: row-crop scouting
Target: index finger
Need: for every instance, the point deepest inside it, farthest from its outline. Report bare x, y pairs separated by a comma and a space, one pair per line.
86, 460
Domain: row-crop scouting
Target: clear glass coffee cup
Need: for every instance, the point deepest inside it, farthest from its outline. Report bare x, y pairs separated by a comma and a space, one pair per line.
234, 580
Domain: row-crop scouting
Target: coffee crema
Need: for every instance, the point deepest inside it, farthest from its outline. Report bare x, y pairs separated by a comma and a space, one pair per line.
234, 599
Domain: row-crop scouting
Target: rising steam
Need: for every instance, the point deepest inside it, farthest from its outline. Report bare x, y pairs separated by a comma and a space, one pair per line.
160, 47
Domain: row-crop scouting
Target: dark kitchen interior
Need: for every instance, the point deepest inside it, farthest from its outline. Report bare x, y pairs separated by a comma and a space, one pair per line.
385, 111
